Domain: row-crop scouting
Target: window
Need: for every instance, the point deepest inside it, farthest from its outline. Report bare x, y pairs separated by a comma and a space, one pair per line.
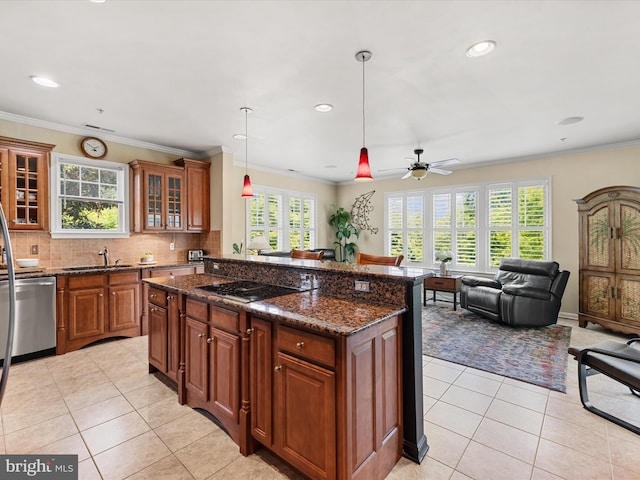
286, 219
479, 224
91, 198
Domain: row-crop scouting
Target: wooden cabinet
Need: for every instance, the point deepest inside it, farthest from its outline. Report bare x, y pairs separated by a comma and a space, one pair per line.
170, 198
24, 183
609, 223
198, 196
330, 406
164, 332
212, 362
97, 306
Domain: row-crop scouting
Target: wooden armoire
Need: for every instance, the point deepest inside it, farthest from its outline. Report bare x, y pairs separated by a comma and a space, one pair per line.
610, 258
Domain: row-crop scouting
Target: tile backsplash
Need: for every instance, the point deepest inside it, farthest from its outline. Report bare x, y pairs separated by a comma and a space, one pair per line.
56, 253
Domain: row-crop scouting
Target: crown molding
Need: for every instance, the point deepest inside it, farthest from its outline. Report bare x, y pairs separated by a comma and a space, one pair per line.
105, 136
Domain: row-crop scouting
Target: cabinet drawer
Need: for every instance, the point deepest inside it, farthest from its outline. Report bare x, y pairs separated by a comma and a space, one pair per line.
225, 319
167, 272
197, 310
121, 278
157, 297
85, 281
441, 283
307, 345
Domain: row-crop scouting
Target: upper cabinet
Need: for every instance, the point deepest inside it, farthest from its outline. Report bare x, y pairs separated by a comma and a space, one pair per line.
170, 198
198, 184
24, 183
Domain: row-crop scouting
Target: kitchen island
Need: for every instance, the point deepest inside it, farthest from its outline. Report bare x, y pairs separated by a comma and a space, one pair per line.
342, 342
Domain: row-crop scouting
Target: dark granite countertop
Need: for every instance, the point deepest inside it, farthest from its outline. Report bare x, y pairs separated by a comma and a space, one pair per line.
400, 272
307, 309
36, 272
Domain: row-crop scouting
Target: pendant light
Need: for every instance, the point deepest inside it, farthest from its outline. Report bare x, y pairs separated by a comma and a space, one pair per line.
364, 172
247, 191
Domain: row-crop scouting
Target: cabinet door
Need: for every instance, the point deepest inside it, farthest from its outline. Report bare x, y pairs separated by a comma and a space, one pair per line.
260, 376
28, 190
196, 359
86, 313
153, 201
597, 294
305, 416
174, 187
197, 198
224, 382
124, 307
158, 335
598, 230
628, 238
628, 300
173, 336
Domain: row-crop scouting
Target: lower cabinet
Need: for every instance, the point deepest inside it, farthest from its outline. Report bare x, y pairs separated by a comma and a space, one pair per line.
164, 333
212, 375
329, 406
96, 306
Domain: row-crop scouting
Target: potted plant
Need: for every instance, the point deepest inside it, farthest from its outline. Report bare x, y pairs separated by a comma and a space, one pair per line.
341, 221
443, 258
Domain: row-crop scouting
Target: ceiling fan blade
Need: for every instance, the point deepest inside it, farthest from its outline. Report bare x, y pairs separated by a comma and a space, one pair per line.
441, 171
390, 169
406, 175
442, 163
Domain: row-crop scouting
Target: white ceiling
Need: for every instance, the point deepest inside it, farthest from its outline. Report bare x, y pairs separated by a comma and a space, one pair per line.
175, 73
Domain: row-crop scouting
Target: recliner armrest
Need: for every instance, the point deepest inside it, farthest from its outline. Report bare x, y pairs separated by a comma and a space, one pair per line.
480, 282
526, 291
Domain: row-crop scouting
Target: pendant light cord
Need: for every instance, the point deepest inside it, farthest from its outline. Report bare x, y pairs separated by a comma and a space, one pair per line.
246, 143
363, 128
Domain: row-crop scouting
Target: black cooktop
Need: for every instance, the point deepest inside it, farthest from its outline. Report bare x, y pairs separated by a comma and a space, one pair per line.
246, 291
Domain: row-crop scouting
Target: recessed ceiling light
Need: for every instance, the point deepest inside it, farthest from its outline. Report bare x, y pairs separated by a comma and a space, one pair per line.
44, 82
240, 136
97, 1
569, 120
323, 107
480, 49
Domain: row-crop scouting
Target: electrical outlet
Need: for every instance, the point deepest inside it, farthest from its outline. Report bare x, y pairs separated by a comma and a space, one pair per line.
172, 246
34, 249
362, 286
216, 266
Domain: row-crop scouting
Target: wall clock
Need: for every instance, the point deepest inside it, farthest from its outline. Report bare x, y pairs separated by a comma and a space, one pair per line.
93, 147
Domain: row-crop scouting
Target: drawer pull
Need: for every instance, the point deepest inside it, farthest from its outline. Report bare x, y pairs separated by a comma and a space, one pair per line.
249, 331
153, 295
201, 335
169, 297
278, 368
300, 345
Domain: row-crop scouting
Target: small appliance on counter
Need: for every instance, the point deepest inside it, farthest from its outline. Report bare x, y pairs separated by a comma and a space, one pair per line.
195, 255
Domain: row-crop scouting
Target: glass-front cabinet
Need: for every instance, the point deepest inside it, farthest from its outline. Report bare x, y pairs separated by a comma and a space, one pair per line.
158, 197
24, 183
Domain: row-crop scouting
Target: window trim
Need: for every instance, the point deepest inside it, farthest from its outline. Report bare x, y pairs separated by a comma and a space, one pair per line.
54, 188
482, 219
285, 195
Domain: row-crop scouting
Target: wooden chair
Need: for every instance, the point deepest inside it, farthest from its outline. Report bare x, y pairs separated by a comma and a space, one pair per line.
366, 259
307, 255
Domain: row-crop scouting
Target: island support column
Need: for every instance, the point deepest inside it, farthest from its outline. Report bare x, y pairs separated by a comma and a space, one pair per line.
415, 441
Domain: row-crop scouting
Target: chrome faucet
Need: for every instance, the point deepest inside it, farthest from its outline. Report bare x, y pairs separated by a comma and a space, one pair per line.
105, 253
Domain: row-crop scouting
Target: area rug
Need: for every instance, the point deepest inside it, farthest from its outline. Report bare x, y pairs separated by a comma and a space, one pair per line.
532, 355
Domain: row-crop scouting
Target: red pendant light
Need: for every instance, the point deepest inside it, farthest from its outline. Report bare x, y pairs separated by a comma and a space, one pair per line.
247, 191
364, 171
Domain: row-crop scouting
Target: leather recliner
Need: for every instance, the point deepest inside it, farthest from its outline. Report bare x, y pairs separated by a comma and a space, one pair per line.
522, 293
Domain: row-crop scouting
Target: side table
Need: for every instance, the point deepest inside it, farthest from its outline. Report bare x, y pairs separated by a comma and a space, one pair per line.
443, 283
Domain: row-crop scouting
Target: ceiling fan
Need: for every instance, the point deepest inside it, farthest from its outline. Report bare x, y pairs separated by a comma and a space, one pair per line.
419, 170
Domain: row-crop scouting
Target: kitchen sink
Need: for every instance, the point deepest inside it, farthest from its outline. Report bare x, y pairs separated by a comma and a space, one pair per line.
94, 267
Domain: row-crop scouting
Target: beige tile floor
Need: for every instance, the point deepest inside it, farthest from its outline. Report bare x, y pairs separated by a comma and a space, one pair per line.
101, 404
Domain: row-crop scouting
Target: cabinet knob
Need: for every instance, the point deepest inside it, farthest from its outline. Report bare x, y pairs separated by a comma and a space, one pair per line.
278, 368
169, 297
113, 293
153, 295
300, 345
153, 309
249, 331
209, 340
201, 335
100, 295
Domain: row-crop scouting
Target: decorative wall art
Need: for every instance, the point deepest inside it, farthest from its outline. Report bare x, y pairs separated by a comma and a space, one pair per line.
360, 211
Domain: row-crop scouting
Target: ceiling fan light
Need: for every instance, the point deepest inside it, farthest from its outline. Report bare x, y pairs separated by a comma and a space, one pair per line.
419, 173
247, 190
364, 171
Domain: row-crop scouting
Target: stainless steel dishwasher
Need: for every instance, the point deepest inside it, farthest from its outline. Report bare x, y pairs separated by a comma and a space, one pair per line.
35, 327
